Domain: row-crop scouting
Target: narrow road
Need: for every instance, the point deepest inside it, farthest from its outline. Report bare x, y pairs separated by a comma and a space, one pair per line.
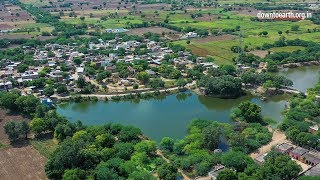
102, 96
168, 161
278, 137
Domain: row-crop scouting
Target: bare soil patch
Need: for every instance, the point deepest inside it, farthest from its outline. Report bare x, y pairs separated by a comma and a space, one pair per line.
223, 37
20, 160
22, 163
158, 30
278, 137
260, 53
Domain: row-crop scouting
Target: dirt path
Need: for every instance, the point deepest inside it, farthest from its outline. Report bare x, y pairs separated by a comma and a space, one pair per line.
102, 96
278, 137
185, 177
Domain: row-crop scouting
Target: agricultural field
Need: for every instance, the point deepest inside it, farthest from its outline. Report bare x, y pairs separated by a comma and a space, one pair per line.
20, 159
18, 23
121, 15
18, 162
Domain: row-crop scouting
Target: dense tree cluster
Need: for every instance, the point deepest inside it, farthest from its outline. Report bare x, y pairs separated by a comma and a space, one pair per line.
222, 86
195, 153
276, 166
17, 103
16, 130
303, 113
310, 53
111, 151
265, 79
248, 112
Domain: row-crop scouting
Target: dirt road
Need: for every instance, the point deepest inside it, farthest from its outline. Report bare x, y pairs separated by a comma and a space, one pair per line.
278, 137
185, 177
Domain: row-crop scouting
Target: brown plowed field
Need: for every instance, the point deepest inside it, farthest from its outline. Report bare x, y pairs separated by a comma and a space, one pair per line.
19, 161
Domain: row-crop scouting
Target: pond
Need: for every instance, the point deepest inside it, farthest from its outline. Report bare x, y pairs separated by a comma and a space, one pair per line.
303, 77
170, 115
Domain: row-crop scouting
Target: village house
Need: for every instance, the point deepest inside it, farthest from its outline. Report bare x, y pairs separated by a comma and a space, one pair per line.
209, 65
314, 171
5, 85
47, 101
297, 153
29, 75
260, 159
310, 159
56, 75
80, 70
190, 35
284, 148
151, 73
6, 73
215, 172
314, 129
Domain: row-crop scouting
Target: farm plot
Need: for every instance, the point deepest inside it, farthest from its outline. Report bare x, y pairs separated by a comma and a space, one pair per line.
158, 30
22, 163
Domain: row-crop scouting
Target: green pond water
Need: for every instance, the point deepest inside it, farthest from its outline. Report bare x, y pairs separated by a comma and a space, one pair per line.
170, 115
302, 77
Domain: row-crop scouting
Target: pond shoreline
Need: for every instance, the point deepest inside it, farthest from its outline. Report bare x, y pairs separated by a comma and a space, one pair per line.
299, 64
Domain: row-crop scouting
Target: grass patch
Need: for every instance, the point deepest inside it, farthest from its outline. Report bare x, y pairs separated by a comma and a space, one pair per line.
287, 48
45, 145
169, 83
2, 145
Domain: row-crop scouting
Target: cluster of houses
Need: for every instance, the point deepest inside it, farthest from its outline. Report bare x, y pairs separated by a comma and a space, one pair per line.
55, 55
310, 158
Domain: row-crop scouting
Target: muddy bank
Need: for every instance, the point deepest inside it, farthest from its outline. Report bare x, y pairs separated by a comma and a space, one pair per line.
294, 65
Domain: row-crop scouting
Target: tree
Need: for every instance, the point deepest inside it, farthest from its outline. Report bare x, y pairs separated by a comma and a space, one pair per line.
143, 77
229, 69
141, 175
227, 174
22, 68
167, 171
278, 166
222, 86
236, 160
48, 91
148, 147
102, 75
77, 60
156, 83
81, 82
16, 129
167, 143
27, 104
62, 88
247, 111
211, 136
181, 82
295, 28
135, 86
38, 125
7, 100
74, 174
